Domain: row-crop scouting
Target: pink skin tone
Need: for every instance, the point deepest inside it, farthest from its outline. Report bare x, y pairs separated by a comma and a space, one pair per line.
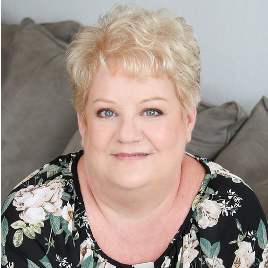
133, 167
134, 137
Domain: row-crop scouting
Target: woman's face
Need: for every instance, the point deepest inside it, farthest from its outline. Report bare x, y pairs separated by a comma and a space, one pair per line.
134, 134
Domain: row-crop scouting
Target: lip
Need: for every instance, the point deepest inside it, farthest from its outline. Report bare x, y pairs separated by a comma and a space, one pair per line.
133, 157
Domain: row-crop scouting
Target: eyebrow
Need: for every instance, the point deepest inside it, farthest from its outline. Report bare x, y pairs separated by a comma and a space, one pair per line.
154, 98
104, 100
145, 100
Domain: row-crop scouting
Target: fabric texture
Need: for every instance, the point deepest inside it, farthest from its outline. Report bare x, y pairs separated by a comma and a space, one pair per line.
37, 113
247, 156
44, 224
215, 127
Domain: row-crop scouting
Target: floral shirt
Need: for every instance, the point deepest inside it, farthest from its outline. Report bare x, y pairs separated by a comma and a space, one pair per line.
44, 224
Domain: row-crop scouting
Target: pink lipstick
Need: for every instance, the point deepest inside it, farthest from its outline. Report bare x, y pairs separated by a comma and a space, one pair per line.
133, 157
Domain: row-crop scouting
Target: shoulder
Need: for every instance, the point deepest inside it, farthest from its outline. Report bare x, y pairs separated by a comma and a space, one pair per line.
38, 210
44, 185
228, 187
226, 210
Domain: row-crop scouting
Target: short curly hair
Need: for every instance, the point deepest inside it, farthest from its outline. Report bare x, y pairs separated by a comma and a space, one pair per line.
146, 41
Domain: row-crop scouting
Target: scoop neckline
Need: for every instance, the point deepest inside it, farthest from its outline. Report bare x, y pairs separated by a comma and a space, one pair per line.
161, 258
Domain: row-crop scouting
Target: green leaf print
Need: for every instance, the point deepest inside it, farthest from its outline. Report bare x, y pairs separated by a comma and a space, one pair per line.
76, 236
65, 196
240, 238
262, 235
36, 228
32, 264
51, 170
88, 262
239, 227
4, 233
199, 214
55, 223
215, 249
45, 261
18, 238
205, 246
18, 224
7, 202
4, 226
4, 260
209, 250
29, 232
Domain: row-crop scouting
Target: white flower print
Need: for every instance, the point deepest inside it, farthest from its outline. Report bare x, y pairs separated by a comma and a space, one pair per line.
188, 252
218, 169
85, 220
166, 262
231, 205
86, 249
215, 263
68, 215
63, 262
34, 200
264, 262
210, 213
104, 263
244, 257
10, 265
33, 215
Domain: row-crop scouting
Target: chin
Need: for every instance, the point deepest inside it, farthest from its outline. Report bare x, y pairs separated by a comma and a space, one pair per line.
130, 181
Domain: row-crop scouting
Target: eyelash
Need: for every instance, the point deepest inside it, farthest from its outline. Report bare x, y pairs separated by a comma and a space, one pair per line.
142, 113
153, 109
104, 110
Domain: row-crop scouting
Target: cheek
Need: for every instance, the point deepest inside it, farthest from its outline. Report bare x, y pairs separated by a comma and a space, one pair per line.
169, 136
99, 136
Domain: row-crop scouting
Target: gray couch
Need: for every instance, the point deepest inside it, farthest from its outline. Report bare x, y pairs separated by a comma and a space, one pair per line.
39, 122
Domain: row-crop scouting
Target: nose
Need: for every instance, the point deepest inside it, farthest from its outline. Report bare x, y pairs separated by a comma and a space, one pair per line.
129, 131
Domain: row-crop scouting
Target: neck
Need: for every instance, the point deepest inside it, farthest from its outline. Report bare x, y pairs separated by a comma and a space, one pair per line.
135, 205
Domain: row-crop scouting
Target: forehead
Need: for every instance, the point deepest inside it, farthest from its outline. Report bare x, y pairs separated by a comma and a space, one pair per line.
119, 82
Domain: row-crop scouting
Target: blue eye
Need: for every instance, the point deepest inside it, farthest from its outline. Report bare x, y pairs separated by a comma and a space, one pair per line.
106, 113
152, 112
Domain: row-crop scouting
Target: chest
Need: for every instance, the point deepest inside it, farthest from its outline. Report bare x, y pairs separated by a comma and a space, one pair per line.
133, 244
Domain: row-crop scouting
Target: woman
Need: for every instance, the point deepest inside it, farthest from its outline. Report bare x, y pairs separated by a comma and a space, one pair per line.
133, 197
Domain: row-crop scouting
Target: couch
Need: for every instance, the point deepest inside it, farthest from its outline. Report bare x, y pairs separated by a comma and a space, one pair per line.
39, 122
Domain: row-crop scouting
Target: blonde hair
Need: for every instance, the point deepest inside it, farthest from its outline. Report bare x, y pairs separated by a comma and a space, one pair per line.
146, 41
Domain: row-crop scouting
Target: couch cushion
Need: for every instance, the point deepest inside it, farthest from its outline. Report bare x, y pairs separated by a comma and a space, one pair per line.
63, 30
215, 127
74, 144
7, 35
246, 155
38, 119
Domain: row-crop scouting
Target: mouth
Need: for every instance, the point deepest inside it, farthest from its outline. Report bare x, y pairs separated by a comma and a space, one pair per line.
133, 157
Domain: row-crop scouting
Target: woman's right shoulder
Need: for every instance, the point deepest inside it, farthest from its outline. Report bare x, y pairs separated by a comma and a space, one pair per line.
52, 176
42, 203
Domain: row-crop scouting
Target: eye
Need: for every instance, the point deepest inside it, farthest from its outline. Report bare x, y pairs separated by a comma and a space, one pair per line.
105, 113
152, 112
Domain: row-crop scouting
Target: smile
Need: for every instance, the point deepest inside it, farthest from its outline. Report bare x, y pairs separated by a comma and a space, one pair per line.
126, 157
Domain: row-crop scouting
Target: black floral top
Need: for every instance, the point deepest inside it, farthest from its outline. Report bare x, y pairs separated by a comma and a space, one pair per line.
44, 224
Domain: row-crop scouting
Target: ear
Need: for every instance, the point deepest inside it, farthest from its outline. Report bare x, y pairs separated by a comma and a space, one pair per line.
190, 122
81, 127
